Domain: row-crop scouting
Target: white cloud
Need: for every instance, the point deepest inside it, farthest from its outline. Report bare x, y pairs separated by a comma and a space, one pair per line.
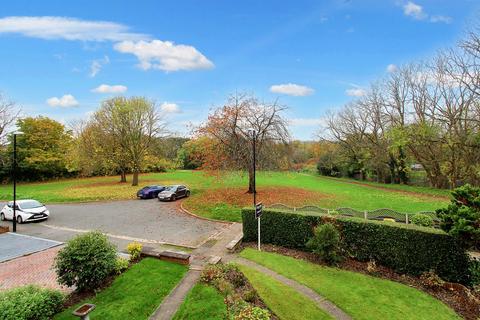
392, 68
165, 55
292, 89
442, 19
169, 107
355, 92
307, 122
105, 88
416, 11
66, 101
97, 65
65, 28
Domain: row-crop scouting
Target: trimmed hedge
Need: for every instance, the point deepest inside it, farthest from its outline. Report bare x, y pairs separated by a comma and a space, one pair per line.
407, 249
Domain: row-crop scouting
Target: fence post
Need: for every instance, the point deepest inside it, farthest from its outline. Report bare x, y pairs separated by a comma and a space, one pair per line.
365, 215
406, 218
294, 209
328, 211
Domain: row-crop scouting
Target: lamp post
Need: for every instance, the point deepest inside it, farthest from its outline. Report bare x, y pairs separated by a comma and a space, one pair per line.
253, 132
14, 178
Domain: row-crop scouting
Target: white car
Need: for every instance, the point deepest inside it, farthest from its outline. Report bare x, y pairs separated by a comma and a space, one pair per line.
27, 210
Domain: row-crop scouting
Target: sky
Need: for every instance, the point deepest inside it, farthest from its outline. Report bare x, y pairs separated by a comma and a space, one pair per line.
61, 59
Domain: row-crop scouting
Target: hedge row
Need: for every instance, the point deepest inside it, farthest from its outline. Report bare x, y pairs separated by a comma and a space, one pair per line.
407, 249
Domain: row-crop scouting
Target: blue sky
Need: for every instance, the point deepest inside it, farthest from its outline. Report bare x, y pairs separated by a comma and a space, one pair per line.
62, 58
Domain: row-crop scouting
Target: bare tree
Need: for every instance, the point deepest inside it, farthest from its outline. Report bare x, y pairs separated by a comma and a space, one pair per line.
8, 115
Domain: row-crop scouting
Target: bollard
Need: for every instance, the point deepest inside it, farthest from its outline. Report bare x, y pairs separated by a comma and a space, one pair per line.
83, 311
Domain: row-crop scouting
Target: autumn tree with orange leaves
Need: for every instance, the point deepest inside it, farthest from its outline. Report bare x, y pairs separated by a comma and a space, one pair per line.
228, 129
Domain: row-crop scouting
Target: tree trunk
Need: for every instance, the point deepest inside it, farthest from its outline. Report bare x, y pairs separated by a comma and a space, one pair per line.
402, 166
123, 176
251, 181
135, 178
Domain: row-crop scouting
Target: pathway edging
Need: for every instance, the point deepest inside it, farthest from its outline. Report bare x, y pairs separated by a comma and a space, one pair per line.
321, 301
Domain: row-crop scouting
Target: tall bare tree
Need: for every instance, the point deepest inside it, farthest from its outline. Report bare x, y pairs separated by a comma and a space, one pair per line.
8, 115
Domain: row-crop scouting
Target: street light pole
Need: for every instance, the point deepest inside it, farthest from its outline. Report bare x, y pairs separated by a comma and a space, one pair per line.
14, 176
254, 140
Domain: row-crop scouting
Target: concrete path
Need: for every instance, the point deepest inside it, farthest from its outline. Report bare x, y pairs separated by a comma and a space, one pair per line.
213, 247
321, 302
14, 245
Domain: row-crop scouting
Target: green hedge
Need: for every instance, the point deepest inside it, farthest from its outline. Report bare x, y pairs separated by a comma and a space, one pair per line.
407, 249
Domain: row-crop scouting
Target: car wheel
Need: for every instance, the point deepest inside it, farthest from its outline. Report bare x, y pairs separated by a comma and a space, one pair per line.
19, 220
2, 217
187, 194
173, 198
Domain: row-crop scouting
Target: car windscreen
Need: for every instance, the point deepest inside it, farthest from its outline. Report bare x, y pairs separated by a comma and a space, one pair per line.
173, 189
30, 204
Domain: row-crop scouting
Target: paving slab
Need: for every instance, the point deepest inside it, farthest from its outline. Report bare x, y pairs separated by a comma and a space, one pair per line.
14, 245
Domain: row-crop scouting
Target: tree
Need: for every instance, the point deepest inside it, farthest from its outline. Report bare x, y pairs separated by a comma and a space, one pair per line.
129, 126
42, 148
8, 115
229, 126
462, 217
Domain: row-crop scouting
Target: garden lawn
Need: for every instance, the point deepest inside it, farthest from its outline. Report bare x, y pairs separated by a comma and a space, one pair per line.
135, 294
285, 302
361, 296
202, 302
222, 197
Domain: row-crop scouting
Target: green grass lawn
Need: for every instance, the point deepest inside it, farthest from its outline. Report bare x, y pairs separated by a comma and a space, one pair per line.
327, 192
285, 302
361, 296
136, 293
202, 302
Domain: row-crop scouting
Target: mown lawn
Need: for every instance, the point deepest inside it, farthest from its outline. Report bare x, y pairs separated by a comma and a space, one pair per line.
202, 302
285, 302
222, 196
361, 296
135, 294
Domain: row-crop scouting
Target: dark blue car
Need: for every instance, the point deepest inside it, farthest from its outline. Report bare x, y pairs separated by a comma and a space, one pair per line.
149, 192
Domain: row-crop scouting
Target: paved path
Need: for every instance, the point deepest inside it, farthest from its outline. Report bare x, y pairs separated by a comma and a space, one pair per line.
32, 269
214, 247
321, 302
147, 221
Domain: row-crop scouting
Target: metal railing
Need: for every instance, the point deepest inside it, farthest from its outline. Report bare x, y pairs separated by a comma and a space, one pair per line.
383, 214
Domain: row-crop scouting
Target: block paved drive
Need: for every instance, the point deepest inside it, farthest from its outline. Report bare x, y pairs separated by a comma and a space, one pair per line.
32, 269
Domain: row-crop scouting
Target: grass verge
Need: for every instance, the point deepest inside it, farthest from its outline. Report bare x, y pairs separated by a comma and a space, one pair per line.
135, 294
285, 302
202, 302
361, 296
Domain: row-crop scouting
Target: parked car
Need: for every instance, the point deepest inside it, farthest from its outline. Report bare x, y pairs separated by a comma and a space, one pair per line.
172, 193
26, 211
150, 192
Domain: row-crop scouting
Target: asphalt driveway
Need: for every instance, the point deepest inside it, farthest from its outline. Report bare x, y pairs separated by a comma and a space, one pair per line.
149, 221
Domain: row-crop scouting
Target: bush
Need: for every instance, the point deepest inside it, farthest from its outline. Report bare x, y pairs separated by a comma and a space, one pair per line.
86, 261
121, 264
431, 280
326, 243
407, 249
250, 312
135, 250
30, 303
461, 218
421, 219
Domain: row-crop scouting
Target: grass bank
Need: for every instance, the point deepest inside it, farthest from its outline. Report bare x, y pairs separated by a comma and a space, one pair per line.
361, 296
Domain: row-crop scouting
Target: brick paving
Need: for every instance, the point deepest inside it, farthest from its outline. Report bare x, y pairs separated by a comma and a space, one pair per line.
36, 268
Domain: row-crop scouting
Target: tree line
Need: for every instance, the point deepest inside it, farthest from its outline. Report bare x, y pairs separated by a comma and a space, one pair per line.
422, 116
